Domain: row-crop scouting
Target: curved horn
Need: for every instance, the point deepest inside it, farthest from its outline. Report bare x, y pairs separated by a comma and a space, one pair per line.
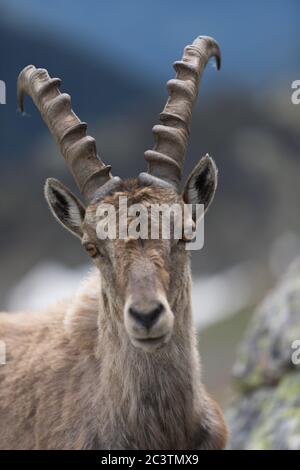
78, 149
166, 159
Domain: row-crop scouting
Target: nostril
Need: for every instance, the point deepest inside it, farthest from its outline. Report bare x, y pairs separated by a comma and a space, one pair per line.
134, 313
158, 310
147, 319
155, 313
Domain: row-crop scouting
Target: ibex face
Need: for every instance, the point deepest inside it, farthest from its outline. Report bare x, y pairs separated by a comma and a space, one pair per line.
138, 273
140, 277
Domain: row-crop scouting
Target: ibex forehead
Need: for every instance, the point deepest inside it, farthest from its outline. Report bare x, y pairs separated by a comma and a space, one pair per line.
134, 212
135, 193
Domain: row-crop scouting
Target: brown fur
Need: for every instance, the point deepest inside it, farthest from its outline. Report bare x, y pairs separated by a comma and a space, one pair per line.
74, 380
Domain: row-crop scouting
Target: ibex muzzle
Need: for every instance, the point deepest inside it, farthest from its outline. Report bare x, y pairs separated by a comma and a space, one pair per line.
147, 314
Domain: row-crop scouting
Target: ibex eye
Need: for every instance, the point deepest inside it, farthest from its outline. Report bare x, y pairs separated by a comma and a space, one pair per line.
91, 249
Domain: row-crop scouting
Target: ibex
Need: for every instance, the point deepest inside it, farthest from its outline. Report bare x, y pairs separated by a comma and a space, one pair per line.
117, 367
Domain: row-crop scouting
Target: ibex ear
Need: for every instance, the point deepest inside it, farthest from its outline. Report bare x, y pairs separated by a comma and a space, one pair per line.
202, 183
65, 206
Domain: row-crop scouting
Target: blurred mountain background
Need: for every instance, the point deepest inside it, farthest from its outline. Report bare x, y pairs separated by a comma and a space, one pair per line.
114, 59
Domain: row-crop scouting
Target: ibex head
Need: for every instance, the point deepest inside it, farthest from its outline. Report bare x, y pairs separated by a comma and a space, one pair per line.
144, 277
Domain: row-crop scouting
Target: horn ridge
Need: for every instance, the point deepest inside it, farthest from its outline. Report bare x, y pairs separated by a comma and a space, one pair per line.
166, 159
78, 149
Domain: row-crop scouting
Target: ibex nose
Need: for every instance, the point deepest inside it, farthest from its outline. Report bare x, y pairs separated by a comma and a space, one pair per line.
149, 318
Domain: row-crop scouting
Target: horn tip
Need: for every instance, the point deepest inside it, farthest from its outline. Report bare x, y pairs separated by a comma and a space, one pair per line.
20, 86
214, 46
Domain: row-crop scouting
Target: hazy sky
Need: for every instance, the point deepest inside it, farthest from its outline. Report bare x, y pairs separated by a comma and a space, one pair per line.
259, 39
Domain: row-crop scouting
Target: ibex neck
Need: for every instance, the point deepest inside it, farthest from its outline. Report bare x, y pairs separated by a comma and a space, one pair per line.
158, 387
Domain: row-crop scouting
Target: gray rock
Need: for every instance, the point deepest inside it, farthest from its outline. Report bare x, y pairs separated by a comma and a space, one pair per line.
266, 412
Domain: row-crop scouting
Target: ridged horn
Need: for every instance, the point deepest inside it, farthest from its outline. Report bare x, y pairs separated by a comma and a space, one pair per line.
166, 159
78, 149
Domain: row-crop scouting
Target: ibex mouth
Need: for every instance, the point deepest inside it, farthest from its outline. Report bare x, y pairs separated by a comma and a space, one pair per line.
157, 338
149, 343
